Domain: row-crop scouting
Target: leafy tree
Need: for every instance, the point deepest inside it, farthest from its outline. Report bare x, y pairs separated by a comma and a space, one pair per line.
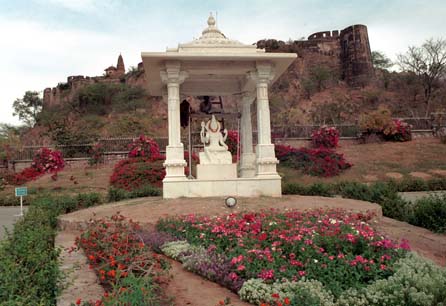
129, 99
320, 75
28, 107
380, 60
428, 63
95, 98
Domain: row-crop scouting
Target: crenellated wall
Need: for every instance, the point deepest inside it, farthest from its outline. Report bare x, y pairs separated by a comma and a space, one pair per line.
346, 52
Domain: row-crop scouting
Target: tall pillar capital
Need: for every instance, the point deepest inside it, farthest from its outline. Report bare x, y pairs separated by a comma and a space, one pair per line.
246, 99
264, 73
173, 77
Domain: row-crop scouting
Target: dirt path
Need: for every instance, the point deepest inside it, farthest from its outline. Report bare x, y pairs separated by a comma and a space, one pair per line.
191, 289
81, 281
422, 241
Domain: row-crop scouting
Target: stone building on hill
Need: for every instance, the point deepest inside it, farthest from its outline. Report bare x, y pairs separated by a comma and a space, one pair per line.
118, 71
64, 92
346, 52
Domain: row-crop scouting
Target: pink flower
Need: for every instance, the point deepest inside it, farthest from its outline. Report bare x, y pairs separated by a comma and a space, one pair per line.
241, 268
233, 276
266, 274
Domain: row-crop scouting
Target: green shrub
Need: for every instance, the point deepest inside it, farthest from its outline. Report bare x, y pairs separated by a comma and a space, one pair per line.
412, 185
28, 261
396, 208
317, 189
416, 281
435, 184
430, 212
118, 194
355, 190
11, 200
29, 271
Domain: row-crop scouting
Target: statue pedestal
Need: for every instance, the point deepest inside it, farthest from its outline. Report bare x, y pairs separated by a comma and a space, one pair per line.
215, 157
217, 172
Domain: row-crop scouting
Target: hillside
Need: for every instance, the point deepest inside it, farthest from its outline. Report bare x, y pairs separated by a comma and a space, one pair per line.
331, 82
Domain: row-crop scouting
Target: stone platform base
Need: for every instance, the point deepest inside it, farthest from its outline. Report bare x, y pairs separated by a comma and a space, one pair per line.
242, 187
217, 172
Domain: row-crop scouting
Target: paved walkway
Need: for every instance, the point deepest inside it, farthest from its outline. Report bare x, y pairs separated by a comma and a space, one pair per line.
8, 218
416, 195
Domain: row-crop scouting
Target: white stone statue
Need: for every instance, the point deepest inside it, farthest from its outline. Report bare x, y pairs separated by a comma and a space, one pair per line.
215, 149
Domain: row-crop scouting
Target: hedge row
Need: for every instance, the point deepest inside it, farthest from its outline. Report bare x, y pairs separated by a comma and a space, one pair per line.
29, 272
428, 212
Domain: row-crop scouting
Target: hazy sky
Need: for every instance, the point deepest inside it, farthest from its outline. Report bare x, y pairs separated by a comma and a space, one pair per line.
44, 41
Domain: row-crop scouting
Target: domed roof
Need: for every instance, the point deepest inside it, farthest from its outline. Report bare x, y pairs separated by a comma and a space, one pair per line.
213, 38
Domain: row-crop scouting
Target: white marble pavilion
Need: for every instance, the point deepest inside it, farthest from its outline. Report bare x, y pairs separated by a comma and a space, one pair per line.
215, 65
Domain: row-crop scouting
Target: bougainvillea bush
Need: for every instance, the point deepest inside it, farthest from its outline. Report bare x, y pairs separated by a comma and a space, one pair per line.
339, 250
144, 146
134, 173
398, 131
317, 162
144, 167
124, 265
326, 137
44, 161
380, 123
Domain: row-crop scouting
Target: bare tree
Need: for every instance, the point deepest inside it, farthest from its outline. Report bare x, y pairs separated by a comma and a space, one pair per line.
428, 62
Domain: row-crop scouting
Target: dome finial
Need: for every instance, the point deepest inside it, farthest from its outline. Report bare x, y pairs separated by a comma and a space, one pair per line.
211, 20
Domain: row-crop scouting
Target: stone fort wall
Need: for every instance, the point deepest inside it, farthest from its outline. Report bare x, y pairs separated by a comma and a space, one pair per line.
346, 51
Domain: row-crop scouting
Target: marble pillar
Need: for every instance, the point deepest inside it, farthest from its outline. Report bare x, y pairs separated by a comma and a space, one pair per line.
266, 160
247, 166
175, 163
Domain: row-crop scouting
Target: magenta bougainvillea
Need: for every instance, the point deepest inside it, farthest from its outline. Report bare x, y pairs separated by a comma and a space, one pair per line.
326, 137
48, 161
133, 173
45, 161
317, 162
144, 146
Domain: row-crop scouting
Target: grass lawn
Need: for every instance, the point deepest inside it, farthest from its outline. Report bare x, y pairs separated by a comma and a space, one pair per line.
372, 161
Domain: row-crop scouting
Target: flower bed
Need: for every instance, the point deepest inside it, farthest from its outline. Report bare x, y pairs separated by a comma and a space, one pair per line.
124, 265
332, 250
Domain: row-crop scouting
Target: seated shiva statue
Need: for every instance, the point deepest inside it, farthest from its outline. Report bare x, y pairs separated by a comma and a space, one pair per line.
215, 149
